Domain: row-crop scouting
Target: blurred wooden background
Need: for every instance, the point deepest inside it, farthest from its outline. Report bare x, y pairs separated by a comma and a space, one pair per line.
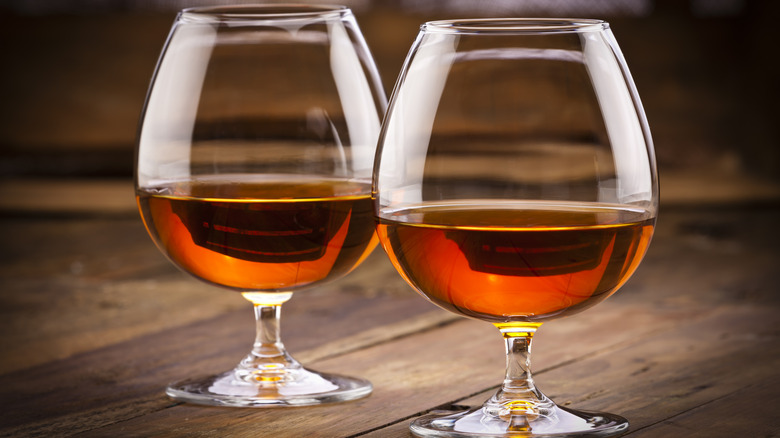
75, 74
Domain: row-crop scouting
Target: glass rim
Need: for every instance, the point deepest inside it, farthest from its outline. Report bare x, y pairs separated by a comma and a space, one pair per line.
512, 25
260, 12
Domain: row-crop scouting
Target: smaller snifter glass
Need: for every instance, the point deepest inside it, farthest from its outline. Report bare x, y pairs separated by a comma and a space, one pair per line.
253, 173
515, 183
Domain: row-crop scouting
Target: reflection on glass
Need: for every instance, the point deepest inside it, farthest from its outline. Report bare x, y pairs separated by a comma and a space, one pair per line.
515, 183
253, 174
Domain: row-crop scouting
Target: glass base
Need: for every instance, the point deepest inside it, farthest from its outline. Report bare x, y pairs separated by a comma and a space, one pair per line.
557, 422
304, 388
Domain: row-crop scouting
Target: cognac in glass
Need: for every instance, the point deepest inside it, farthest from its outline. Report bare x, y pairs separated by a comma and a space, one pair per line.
253, 174
515, 183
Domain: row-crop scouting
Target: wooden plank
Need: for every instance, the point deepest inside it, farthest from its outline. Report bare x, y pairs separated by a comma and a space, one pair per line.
750, 411
416, 364
82, 394
664, 383
677, 370
710, 274
67, 289
717, 186
426, 370
109, 197
369, 309
84, 387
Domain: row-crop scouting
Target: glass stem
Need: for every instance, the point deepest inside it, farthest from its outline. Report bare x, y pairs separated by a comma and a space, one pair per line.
518, 401
268, 362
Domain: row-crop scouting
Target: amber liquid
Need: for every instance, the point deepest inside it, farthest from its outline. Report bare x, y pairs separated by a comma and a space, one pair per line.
516, 261
261, 235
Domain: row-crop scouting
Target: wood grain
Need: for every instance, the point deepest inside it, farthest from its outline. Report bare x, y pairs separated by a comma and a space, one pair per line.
692, 332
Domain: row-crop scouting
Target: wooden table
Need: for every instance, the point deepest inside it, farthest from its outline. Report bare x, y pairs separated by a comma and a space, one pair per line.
95, 322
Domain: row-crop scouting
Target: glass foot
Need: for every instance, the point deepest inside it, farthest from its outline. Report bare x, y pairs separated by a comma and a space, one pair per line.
557, 422
304, 388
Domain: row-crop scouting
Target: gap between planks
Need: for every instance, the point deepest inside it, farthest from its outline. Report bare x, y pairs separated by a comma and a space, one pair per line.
727, 385
227, 421
378, 335
92, 419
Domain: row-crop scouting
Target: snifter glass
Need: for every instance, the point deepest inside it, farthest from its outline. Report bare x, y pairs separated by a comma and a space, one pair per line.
253, 173
515, 183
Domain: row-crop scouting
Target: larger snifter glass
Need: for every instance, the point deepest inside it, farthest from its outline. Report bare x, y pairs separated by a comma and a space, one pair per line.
515, 183
253, 173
